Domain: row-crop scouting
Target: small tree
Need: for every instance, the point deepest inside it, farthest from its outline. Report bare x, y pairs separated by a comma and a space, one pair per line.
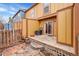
10, 20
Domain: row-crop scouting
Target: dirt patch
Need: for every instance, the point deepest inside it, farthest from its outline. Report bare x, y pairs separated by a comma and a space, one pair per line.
22, 50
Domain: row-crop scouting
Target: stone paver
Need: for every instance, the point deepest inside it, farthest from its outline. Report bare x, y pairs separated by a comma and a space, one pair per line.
51, 41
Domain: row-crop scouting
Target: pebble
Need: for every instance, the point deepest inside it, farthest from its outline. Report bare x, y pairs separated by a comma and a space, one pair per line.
22, 50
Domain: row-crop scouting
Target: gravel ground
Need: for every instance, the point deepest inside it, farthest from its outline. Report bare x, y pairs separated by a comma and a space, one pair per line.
28, 51
22, 50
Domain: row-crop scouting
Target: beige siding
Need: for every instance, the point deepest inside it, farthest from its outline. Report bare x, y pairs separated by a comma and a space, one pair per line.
53, 7
54, 27
64, 26
63, 18
62, 5
28, 14
32, 27
39, 12
69, 25
24, 28
15, 26
29, 27
61, 27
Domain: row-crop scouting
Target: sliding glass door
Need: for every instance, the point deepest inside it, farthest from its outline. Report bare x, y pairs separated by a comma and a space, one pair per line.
48, 28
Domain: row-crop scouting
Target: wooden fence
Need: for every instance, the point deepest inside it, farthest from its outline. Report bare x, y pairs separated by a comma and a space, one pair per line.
7, 39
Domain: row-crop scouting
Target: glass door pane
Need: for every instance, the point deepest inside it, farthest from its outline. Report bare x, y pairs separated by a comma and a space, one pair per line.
48, 28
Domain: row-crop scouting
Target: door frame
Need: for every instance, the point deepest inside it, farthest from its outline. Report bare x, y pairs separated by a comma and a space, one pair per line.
44, 27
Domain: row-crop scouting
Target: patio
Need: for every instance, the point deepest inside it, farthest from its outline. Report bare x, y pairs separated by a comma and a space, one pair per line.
51, 41
39, 46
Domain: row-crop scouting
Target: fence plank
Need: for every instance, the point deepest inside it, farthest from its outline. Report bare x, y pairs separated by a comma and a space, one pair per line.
0, 39
11, 37
6, 38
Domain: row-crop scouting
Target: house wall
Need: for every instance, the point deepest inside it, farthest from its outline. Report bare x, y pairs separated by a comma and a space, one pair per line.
24, 28
59, 6
29, 27
65, 26
63, 30
54, 28
76, 27
54, 7
28, 13
38, 11
65, 23
18, 25
33, 25
15, 26
64, 19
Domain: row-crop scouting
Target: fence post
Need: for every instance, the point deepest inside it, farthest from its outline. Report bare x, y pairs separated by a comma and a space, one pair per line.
0, 38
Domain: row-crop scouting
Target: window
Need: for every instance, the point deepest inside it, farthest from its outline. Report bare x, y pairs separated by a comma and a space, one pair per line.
46, 7
32, 13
